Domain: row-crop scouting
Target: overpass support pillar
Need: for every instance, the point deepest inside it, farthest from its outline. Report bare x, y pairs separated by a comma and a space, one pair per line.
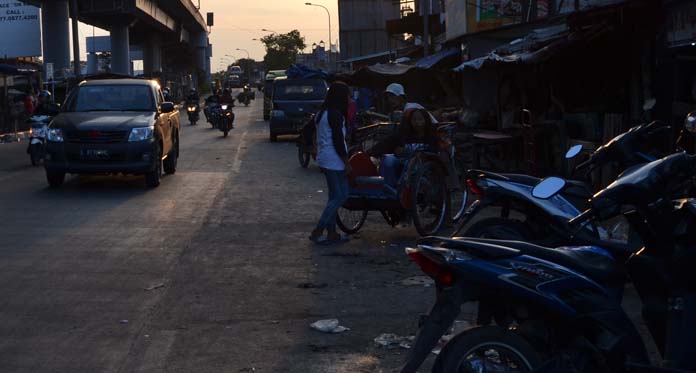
152, 55
120, 52
201, 54
56, 34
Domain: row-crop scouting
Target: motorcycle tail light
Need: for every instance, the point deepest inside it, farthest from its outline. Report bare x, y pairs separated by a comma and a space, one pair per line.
475, 188
432, 268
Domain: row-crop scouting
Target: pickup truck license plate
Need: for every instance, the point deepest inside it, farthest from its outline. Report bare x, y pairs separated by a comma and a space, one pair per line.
94, 154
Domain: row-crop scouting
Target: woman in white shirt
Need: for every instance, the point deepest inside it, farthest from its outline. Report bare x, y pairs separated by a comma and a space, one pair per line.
332, 158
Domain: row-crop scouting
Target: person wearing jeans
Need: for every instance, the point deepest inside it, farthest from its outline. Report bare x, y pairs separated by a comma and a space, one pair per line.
332, 158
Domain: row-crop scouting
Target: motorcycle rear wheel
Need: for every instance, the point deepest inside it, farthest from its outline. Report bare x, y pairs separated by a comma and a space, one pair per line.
501, 229
492, 348
35, 154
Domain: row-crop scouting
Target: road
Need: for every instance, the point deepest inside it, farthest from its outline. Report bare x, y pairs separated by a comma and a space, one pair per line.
207, 273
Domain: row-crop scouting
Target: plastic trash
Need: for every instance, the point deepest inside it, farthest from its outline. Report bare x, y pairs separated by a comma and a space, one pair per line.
390, 340
328, 326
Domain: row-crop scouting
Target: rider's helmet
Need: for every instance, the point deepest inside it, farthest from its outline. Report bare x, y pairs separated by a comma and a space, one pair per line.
226, 92
166, 91
44, 96
192, 91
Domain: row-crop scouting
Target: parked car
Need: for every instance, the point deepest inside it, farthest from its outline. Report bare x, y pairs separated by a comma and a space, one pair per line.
293, 100
115, 126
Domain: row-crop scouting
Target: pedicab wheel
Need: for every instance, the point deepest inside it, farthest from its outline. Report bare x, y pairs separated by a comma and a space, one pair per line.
492, 347
303, 157
459, 196
429, 199
350, 221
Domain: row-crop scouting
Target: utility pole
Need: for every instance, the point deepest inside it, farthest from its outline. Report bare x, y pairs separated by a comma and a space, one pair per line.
76, 38
425, 11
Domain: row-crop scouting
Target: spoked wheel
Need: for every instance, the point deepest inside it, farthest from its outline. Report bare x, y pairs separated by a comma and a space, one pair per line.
429, 199
350, 221
459, 194
303, 156
487, 349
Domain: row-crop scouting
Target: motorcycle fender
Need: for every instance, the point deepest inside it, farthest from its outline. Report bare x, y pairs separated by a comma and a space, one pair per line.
436, 323
35, 141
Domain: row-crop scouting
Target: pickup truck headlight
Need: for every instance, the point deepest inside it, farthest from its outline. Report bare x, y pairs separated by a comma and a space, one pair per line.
141, 134
277, 113
55, 134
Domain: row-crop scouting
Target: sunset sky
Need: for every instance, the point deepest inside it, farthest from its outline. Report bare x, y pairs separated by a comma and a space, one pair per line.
237, 22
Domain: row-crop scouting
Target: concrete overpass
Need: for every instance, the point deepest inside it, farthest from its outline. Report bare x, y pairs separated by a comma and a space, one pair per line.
172, 31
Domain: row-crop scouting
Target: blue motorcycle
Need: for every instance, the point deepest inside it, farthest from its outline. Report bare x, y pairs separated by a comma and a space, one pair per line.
559, 309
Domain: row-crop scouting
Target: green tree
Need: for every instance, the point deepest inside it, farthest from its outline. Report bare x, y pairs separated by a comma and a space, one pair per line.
282, 49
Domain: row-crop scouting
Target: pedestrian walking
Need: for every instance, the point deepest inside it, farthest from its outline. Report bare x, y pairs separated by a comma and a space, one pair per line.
332, 158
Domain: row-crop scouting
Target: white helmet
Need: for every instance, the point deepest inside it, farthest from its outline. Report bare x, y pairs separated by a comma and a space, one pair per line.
396, 89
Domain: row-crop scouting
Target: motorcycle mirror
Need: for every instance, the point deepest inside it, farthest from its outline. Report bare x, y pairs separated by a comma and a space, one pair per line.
548, 187
649, 104
573, 151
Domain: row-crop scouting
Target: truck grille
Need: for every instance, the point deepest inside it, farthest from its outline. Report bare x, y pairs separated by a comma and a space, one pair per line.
96, 137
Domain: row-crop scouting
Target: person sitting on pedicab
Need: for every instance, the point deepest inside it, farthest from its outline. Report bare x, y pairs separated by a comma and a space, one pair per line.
416, 131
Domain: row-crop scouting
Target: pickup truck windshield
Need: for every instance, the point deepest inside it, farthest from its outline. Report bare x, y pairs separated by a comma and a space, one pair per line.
299, 90
117, 97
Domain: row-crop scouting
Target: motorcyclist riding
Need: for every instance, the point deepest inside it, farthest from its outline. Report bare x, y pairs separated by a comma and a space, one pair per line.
45, 106
227, 97
193, 96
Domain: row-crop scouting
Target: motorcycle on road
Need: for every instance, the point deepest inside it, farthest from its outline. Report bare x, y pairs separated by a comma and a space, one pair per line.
37, 138
225, 119
193, 110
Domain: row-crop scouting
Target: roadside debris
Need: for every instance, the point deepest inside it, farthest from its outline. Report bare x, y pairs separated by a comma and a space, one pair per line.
457, 327
390, 341
418, 281
155, 286
310, 285
123, 321
328, 326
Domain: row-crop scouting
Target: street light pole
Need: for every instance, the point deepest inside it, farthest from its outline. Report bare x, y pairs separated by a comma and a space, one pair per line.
329, 14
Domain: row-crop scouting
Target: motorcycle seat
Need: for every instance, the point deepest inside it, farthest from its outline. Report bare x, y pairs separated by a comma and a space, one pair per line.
483, 250
575, 191
592, 263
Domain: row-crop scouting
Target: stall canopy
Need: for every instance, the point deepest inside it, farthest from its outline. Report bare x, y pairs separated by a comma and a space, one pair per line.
536, 47
6, 69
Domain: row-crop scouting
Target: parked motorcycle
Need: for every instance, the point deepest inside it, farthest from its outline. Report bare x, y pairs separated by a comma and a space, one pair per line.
544, 219
558, 310
193, 110
37, 138
226, 119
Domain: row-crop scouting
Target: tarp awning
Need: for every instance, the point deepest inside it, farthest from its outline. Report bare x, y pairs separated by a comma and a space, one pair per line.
538, 46
6, 69
432, 60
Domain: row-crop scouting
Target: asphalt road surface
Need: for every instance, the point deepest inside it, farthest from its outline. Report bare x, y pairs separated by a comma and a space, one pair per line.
210, 272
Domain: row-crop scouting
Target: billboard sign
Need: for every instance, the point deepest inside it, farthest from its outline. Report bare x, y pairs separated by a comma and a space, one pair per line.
490, 14
22, 22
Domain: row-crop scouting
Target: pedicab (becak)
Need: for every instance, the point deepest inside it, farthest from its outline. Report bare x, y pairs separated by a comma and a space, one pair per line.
420, 194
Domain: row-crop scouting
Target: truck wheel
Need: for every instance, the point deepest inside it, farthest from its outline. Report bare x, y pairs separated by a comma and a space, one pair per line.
153, 178
55, 179
172, 159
